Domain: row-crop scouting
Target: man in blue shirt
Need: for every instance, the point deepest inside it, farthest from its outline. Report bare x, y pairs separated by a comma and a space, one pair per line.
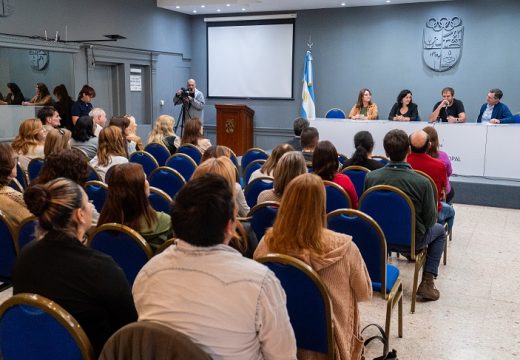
493, 110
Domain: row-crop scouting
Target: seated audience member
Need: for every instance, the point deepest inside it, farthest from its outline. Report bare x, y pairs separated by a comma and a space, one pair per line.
404, 109
14, 96
435, 153
224, 167
309, 139
449, 109
41, 98
300, 230
493, 110
49, 117
291, 165
132, 135
123, 123
215, 151
11, 201
83, 137
193, 135
127, 203
163, 133
83, 106
230, 306
28, 144
325, 164
63, 105
420, 160
364, 109
56, 140
267, 169
86, 283
298, 125
100, 119
111, 150
364, 144
428, 234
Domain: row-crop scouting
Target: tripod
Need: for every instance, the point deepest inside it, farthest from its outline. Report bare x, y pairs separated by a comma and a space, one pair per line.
182, 115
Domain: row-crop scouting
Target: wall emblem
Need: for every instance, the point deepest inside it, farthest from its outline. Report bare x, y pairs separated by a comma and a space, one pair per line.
39, 59
442, 43
229, 125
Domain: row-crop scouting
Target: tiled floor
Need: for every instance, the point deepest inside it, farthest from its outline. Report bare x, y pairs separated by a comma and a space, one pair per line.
478, 314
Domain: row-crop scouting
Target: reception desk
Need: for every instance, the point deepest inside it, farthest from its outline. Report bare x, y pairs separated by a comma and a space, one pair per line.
11, 116
474, 149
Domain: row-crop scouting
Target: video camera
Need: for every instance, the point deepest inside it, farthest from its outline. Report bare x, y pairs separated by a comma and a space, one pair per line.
185, 93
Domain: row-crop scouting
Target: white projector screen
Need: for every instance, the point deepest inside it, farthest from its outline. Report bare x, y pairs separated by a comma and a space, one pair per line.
250, 61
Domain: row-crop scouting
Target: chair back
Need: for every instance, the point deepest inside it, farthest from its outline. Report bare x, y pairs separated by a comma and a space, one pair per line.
165, 245
34, 327
255, 187
159, 151
393, 210
81, 152
146, 159
342, 158
15, 184
183, 163
192, 151
337, 197
27, 231
308, 303
21, 176
262, 217
251, 168
233, 157
335, 113
167, 179
8, 248
381, 158
147, 340
357, 175
159, 200
125, 245
251, 155
93, 174
97, 192
34, 168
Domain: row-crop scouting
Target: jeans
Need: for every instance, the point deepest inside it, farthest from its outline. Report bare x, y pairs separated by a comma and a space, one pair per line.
433, 239
447, 214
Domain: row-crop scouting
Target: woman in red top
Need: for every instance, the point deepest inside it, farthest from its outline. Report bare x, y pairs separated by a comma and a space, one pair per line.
326, 164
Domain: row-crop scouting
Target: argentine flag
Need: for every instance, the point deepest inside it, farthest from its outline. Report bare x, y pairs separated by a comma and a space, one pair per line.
308, 110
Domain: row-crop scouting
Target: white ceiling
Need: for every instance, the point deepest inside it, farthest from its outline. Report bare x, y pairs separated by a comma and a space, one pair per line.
204, 7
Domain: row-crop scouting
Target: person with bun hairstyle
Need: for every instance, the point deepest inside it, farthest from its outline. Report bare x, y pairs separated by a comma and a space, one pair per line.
364, 144
85, 282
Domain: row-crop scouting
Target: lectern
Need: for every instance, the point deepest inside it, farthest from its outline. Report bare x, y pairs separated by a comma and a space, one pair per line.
235, 127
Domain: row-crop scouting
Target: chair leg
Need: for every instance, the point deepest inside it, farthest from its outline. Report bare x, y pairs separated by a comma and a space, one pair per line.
400, 312
447, 232
420, 259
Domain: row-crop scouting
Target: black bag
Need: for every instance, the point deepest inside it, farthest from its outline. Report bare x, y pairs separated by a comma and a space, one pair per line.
387, 355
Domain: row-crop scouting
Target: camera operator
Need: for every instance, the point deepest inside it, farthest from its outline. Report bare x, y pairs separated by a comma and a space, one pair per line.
192, 99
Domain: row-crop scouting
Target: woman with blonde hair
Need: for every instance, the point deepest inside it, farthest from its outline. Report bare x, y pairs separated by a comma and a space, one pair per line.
193, 135
290, 166
300, 231
29, 142
163, 133
111, 150
267, 170
132, 135
56, 140
364, 108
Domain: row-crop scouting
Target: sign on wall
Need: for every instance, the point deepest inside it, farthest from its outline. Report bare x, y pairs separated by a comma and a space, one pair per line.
442, 43
136, 80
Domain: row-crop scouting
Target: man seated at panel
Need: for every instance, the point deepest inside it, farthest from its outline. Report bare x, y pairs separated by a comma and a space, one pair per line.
493, 111
231, 306
49, 117
448, 109
309, 139
299, 125
428, 234
100, 118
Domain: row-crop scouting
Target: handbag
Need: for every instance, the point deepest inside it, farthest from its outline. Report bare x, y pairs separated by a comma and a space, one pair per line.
381, 336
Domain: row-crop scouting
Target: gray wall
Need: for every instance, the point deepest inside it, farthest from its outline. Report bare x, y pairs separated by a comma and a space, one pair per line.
380, 48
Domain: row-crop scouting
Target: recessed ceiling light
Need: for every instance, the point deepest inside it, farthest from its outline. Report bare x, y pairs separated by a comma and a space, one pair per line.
203, 6
218, 10
388, 1
243, 9
177, 7
343, 4
228, 5
194, 11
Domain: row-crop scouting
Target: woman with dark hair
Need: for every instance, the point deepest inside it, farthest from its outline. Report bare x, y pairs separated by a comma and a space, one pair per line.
63, 105
14, 96
215, 151
404, 109
83, 137
364, 144
326, 164
88, 284
68, 164
111, 150
193, 135
267, 170
434, 152
42, 98
300, 230
364, 109
127, 203
83, 106
123, 123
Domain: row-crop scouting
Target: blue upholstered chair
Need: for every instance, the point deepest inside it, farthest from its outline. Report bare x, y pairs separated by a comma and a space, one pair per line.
26, 231
34, 168
233, 158
97, 193
262, 217
125, 245
251, 168
381, 158
393, 210
159, 200
93, 174
251, 155
8, 251
159, 151
21, 176
335, 113
167, 179
34, 327
255, 187
342, 158
192, 151
337, 197
146, 160
15, 184
370, 240
308, 303
357, 176
183, 163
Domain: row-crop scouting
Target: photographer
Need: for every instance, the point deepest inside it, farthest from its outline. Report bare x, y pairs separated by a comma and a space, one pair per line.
192, 100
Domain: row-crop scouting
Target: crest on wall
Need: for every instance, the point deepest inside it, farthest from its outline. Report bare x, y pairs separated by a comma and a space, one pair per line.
39, 59
442, 43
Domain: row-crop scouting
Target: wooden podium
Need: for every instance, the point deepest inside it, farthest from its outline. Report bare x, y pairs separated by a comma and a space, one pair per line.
235, 127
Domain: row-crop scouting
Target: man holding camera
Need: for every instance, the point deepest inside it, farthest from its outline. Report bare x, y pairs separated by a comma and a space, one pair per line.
192, 99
